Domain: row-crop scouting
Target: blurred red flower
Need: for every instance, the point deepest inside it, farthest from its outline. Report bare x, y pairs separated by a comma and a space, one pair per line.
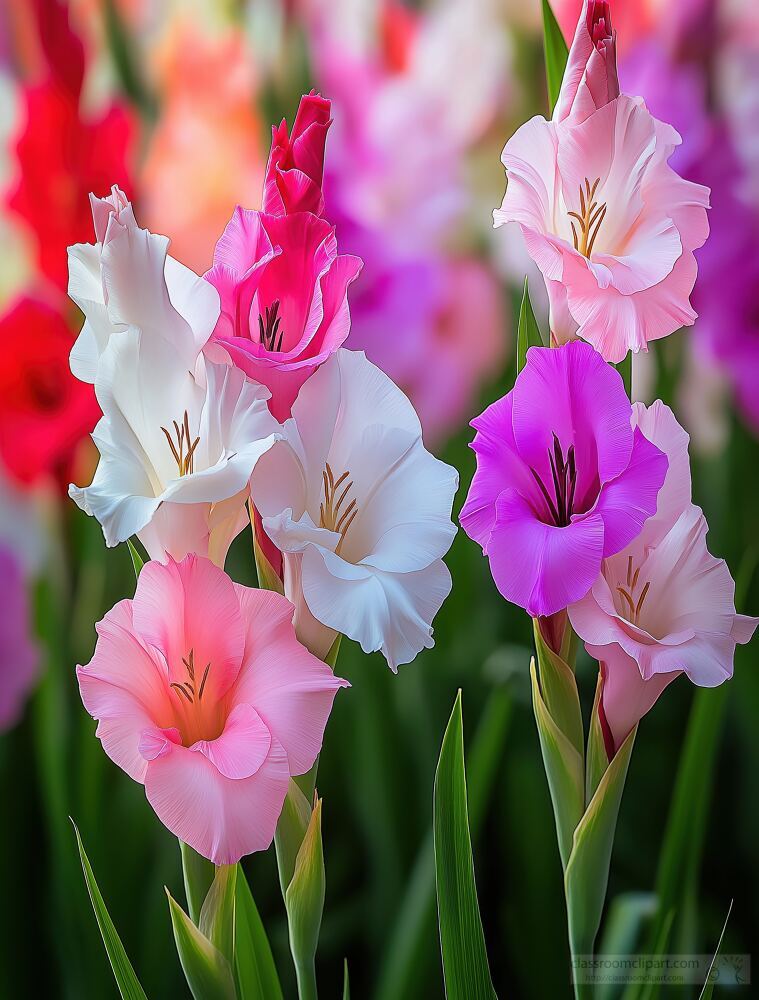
62, 154
44, 410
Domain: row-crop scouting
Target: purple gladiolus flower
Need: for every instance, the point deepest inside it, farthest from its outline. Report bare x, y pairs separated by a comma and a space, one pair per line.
563, 479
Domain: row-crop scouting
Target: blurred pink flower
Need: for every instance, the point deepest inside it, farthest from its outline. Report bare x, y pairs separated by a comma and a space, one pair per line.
399, 213
295, 170
284, 298
663, 605
204, 155
18, 656
203, 694
608, 222
562, 482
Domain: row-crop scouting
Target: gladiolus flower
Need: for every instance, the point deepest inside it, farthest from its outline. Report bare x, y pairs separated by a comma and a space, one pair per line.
176, 452
62, 153
663, 605
44, 412
562, 480
284, 298
361, 512
18, 657
203, 694
127, 279
609, 223
295, 169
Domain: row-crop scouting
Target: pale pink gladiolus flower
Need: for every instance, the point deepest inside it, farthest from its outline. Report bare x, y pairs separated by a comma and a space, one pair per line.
609, 223
203, 694
663, 605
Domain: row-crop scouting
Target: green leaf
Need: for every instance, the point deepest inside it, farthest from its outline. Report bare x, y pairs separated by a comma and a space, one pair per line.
587, 871
462, 941
206, 970
556, 54
123, 971
708, 990
304, 901
528, 332
346, 981
255, 971
198, 873
217, 915
625, 369
137, 561
558, 687
402, 974
622, 929
291, 829
596, 760
331, 658
564, 770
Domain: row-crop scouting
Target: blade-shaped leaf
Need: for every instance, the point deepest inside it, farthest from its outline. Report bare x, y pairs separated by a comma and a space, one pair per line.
564, 770
206, 970
622, 930
559, 690
346, 981
123, 971
462, 941
402, 973
587, 872
255, 971
217, 915
198, 875
528, 331
708, 990
137, 561
304, 901
596, 759
556, 54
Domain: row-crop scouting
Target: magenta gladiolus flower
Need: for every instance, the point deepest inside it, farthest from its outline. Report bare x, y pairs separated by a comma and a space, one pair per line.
609, 223
295, 170
203, 694
562, 482
284, 298
18, 657
663, 605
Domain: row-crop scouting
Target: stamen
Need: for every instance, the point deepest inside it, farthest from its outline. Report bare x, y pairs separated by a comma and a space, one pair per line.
187, 688
628, 595
203, 682
589, 218
181, 439
270, 330
332, 514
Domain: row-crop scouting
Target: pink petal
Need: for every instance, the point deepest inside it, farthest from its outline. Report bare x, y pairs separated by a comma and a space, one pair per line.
192, 606
243, 746
627, 501
221, 818
291, 690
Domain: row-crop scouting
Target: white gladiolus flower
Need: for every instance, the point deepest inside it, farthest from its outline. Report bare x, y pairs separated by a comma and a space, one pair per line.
127, 279
361, 512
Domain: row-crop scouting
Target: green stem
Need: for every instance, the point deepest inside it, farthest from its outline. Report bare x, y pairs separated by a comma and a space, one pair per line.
305, 972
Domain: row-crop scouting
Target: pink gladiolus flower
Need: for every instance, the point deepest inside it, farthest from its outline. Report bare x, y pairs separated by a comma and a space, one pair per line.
203, 694
562, 482
590, 78
18, 657
295, 170
606, 219
284, 298
663, 605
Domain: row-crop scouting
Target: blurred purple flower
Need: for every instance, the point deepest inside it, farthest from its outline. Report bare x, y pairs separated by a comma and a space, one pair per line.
18, 656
